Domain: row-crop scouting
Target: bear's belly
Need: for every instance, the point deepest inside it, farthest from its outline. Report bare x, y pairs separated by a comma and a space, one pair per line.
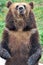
19, 44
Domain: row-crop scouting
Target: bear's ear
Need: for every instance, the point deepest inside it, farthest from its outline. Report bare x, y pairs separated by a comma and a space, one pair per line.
8, 4
31, 4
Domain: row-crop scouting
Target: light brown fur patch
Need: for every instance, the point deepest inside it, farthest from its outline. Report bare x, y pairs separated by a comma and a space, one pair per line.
17, 38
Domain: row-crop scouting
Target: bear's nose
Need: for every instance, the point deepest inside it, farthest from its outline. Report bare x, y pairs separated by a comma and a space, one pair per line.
20, 8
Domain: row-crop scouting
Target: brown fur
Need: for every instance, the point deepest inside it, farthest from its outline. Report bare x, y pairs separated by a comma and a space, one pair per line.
26, 21
19, 38
19, 45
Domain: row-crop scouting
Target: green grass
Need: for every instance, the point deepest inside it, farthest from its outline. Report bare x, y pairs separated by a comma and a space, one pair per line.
38, 11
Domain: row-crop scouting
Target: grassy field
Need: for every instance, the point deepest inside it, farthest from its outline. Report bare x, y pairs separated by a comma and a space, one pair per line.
38, 11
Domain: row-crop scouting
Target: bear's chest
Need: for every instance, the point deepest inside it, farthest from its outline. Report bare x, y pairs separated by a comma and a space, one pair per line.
19, 43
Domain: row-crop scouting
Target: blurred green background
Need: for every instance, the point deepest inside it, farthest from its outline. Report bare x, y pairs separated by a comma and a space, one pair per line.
38, 11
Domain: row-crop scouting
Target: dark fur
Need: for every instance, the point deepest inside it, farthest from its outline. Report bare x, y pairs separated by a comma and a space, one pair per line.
10, 21
35, 51
29, 58
4, 46
8, 4
4, 53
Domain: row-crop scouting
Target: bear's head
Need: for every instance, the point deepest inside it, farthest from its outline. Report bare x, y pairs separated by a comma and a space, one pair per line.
20, 16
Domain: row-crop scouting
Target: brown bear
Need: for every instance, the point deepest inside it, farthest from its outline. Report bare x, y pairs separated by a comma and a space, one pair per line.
20, 37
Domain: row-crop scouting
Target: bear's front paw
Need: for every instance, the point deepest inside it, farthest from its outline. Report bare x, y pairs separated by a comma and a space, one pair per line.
29, 62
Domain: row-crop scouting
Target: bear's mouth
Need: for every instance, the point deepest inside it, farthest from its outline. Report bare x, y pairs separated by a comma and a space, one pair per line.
22, 13
21, 10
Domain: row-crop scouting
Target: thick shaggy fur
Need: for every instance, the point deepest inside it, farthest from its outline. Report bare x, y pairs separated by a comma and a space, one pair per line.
21, 42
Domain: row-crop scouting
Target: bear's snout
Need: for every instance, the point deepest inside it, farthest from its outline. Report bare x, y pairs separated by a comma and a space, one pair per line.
21, 9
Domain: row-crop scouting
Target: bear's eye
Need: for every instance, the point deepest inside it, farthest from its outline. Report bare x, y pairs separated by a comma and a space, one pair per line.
17, 7
24, 6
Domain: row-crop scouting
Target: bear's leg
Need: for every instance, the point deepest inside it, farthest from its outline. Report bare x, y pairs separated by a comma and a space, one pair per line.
34, 58
4, 49
35, 51
4, 53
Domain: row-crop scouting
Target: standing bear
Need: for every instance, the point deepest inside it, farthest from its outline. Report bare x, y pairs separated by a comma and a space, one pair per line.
20, 40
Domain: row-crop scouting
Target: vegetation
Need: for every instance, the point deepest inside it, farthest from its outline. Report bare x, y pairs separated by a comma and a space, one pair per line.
38, 11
